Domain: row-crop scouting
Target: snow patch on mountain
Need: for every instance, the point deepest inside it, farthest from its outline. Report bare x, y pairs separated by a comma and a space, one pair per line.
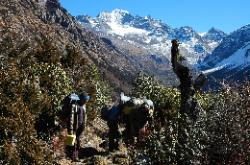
213, 44
209, 71
238, 59
202, 33
92, 22
114, 21
116, 15
153, 35
122, 30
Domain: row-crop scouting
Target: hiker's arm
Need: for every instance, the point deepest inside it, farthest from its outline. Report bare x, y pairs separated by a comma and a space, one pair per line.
84, 118
81, 117
71, 123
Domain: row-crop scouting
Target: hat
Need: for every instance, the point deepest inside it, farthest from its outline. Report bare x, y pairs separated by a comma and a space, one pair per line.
84, 97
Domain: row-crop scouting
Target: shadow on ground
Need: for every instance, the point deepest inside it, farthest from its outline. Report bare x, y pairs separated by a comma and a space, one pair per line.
89, 152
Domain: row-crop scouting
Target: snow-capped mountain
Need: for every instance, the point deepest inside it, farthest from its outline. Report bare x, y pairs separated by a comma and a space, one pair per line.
213, 37
151, 35
231, 44
240, 59
231, 59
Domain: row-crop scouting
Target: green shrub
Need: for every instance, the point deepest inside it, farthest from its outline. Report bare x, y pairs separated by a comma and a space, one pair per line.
220, 135
47, 85
228, 126
18, 142
100, 92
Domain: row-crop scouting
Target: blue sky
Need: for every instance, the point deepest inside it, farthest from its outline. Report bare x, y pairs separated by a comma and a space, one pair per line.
227, 15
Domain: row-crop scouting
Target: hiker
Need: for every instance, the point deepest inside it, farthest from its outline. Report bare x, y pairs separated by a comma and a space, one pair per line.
75, 112
112, 116
134, 113
137, 117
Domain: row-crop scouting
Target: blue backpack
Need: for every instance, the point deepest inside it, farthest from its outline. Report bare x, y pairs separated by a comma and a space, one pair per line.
110, 113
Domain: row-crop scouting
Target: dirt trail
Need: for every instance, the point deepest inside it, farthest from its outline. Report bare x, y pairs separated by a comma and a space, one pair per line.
91, 152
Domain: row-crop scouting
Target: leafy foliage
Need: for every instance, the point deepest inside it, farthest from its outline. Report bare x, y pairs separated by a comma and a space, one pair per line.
19, 144
228, 126
160, 146
100, 91
220, 135
164, 98
34, 81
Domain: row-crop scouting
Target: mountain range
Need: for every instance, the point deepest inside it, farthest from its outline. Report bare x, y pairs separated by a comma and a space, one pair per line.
153, 35
230, 61
148, 41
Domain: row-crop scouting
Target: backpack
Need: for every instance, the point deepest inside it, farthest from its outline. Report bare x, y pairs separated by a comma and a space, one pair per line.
70, 105
110, 113
137, 103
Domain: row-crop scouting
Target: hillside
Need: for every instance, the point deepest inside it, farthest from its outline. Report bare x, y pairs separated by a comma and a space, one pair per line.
34, 20
45, 55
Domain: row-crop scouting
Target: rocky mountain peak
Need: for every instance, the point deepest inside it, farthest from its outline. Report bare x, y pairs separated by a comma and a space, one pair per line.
186, 33
117, 15
214, 34
149, 33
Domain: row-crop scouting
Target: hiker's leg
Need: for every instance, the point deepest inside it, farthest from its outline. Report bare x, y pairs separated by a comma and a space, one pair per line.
75, 154
113, 138
116, 143
127, 132
110, 135
78, 143
117, 136
111, 142
79, 132
69, 151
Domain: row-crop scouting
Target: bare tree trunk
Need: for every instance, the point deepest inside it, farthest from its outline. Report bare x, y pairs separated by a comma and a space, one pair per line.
187, 110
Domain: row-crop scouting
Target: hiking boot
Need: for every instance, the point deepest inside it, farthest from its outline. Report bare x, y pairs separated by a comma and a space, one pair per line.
76, 160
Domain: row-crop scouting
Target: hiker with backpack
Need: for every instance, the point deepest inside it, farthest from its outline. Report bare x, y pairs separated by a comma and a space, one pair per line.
134, 113
137, 117
74, 114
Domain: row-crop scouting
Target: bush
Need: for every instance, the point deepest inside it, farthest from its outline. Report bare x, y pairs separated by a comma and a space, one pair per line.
220, 135
100, 91
47, 87
18, 142
228, 126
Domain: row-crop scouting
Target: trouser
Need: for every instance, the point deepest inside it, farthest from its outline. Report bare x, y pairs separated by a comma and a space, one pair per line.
73, 151
114, 135
129, 130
